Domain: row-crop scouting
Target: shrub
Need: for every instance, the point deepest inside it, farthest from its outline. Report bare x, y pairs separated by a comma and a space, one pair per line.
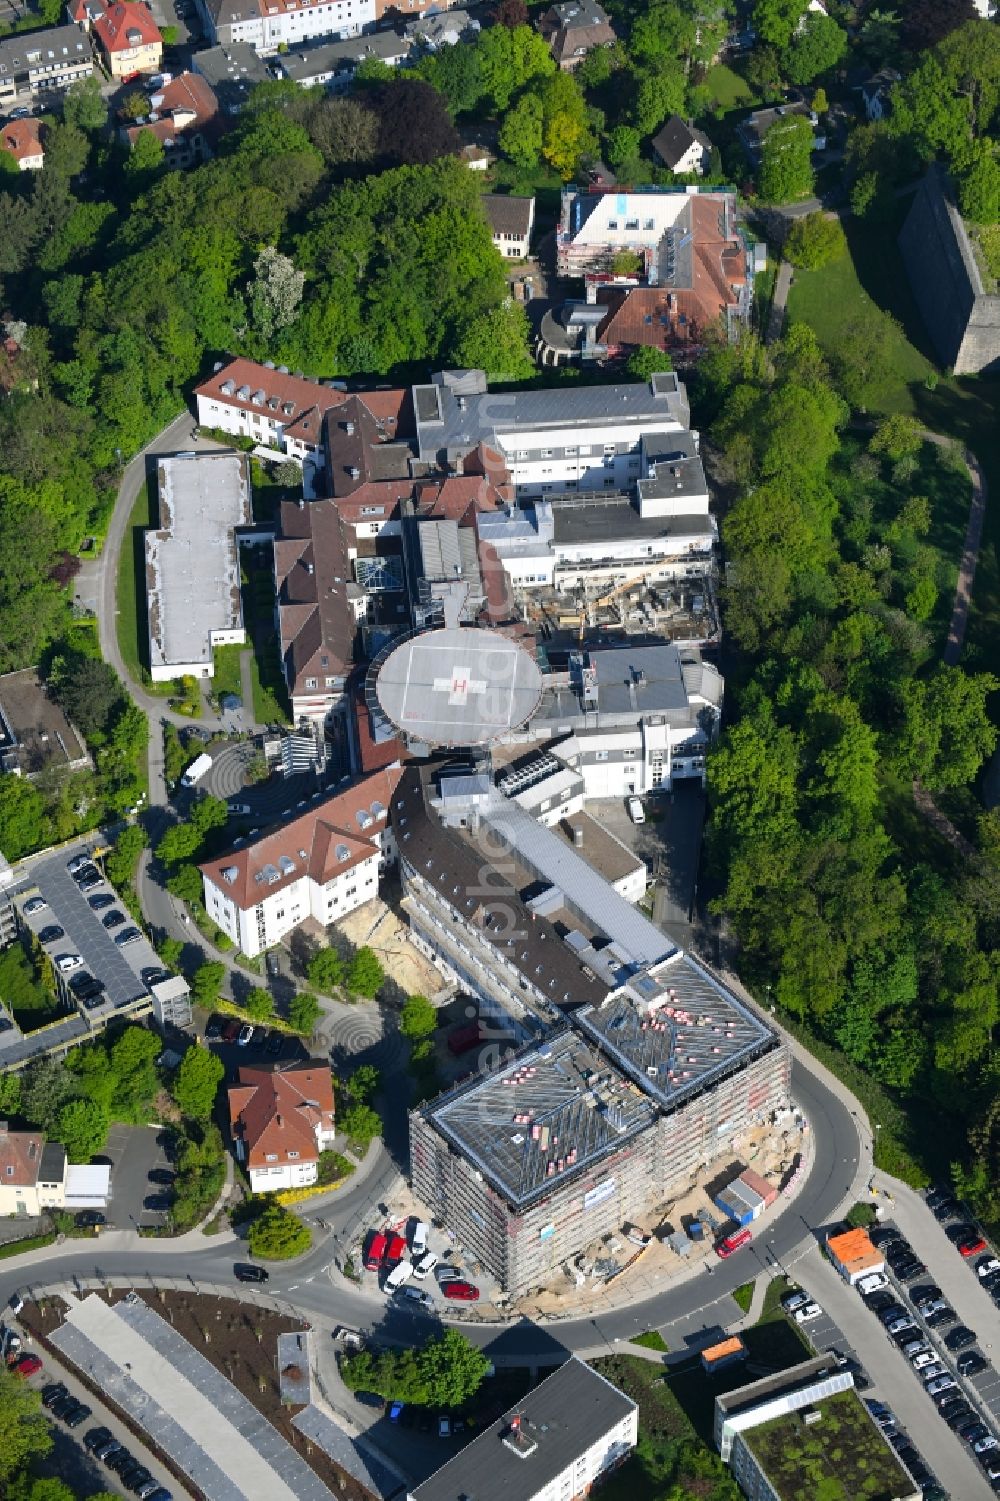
814, 240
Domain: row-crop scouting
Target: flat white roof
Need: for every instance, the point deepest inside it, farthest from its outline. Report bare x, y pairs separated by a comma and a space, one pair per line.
192, 560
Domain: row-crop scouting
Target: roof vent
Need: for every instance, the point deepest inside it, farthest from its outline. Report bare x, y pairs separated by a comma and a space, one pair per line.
343, 853
354, 472
282, 369
348, 428
229, 873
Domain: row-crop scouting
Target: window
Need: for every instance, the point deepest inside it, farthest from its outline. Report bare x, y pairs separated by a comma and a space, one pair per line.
312, 682
293, 1154
600, 755
612, 223
648, 223
631, 224
570, 452
331, 682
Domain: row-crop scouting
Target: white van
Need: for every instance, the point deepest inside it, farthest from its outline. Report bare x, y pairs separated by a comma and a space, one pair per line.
635, 810
197, 769
401, 1272
418, 1240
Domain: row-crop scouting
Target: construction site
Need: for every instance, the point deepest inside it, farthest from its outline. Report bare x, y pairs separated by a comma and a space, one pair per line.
684, 611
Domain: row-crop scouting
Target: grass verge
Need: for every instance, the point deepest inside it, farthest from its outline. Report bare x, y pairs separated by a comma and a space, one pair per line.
651, 1340
743, 1296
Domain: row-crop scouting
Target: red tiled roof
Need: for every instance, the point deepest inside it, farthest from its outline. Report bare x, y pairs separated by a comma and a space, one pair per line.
314, 843
277, 1112
22, 138
126, 24
20, 1158
186, 103
373, 754
303, 396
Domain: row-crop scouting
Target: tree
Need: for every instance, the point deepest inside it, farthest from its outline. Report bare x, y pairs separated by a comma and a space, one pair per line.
45, 1088
622, 149
24, 1429
452, 1369
865, 354
207, 982
365, 975
820, 103
326, 970
23, 817
414, 124
185, 884
145, 159
498, 344
134, 105
170, 951
521, 132
647, 361
979, 186
508, 60
345, 131
179, 842
454, 72
82, 1127
511, 13
927, 22
362, 1124
120, 864
277, 1234
303, 1012
775, 20
84, 105
363, 1083
274, 293
814, 240
928, 114
259, 1005
786, 169
817, 47
418, 1018
660, 93
90, 691
197, 1082
896, 437
947, 733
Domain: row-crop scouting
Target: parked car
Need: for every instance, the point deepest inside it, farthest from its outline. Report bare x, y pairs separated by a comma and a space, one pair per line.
733, 1243
986, 1266
375, 1250
51, 934
900, 1325
245, 1271
460, 1292
213, 1027
910, 1269
941, 1384
245, 1035
891, 1312
418, 1240
77, 863
414, 1295
28, 1365
53, 1392
932, 1371
401, 1272
971, 1246
90, 1219
231, 1031
65, 963
36, 904
113, 919
873, 1283
444, 1273
127, 936
89, 880
96, 1439
970, 1363
923, 1359
957, 1339
943, 1316
805, 1314
275, 1043
635, 810
157, 1203
102, 900
424, 1266
946, 1209
793, 1300
80, 1413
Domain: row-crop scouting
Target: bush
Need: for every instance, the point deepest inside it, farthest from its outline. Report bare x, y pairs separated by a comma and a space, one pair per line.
860, 1216
362, 1124
814, 240
325, 970
31, 1243
365, 976
303, 1012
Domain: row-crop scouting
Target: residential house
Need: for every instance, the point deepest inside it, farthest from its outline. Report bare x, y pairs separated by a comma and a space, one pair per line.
476, 157
194, 603
511, 219
32, 62
322, 864
332, 65
281, 1119
23, 140
573, 28
32, 1173
128, 38
184, 116
231, 72
876, 92
435, 29
681, 147
268, 25
755, 127
565, 1436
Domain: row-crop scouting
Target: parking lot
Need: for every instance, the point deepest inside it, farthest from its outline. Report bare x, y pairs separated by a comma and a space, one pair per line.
84, 932
135, 1152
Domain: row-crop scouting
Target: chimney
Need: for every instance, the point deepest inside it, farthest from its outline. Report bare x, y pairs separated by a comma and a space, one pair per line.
278, 1119
310, 569
348, 428
577, 836
354, 472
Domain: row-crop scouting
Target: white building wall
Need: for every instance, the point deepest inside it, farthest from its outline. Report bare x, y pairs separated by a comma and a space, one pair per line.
283, 1175
627, 219
257, 928
332, 18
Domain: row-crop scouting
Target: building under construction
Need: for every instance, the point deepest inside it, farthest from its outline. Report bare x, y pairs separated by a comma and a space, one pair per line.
620, 1065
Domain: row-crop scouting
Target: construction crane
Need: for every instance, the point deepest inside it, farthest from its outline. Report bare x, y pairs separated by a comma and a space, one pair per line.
587, 609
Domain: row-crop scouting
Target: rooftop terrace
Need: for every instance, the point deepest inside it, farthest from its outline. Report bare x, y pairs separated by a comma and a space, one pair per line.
841, 1456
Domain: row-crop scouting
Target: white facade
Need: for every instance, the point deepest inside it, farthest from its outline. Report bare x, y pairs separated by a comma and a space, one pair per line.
271, 24
634, 760
254, 929
549, 457
269, 1180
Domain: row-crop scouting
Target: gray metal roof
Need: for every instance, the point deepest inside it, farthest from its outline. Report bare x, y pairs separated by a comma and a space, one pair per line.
597, 904
344, 55
458, 686
546, 1116
614, 519
560, 1420
640, 679
448, 420
676, 1030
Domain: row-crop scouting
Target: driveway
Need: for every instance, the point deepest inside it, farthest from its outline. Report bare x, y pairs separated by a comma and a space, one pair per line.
134, 1153
670, 843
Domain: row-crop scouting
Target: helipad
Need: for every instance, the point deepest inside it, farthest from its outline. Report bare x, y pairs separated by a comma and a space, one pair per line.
458, 686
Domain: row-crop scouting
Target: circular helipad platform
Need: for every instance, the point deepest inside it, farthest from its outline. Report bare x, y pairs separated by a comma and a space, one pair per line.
458, 686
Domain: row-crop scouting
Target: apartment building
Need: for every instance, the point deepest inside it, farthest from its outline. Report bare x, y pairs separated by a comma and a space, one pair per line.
184, 116
283, 412
333, 65
563, 1438
281, 1119
322, 865
267, 25
127, 36
32, 62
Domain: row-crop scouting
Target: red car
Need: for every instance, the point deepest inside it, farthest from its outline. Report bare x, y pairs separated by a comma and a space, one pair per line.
732, 1243
28, 1365
464, 1292
397, 1248
375, 1251
971, 1247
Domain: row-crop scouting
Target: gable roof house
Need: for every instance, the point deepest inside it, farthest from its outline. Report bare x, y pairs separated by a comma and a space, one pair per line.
573, 28
511, 219
281, 1119
129, 39
23, 139
184, 115
755, 127
32, 1173
681, 147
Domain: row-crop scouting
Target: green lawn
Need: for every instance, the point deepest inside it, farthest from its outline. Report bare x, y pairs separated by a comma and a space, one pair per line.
226, 678
651, 1340
132, 622
729, 90
24, 996
743, 1296
964, 408
270, 698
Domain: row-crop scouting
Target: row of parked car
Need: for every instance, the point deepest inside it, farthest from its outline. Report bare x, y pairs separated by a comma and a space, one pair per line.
245, 1035
885, 1418
132, 1474
911, 1327
387, 1253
